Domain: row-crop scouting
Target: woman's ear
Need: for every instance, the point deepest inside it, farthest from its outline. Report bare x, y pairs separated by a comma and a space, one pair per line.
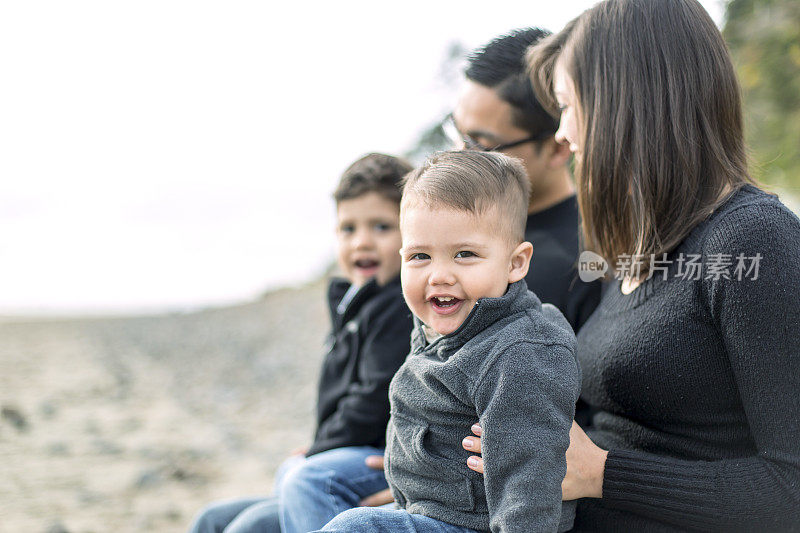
520, 261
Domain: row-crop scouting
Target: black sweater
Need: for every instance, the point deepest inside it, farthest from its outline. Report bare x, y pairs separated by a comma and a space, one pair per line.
697, 383
368, 343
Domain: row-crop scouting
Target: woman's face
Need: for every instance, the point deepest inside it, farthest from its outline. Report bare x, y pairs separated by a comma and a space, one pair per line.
564, 90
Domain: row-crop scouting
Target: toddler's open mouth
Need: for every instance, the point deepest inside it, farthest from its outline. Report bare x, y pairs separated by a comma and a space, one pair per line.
367, 263
444, 305
367, 267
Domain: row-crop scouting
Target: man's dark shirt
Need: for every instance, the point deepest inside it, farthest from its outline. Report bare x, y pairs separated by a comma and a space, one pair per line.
553, 275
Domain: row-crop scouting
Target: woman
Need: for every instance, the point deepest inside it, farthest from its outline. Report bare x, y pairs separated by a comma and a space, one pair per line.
693, 357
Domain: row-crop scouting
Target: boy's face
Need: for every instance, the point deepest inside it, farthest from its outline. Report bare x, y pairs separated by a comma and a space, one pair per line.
369, 238
451, 258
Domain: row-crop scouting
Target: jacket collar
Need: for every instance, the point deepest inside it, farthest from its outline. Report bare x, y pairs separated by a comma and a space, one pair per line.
486, 312
338, 288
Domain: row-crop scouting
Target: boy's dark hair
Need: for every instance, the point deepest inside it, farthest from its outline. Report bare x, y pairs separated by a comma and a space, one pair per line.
475, 182
373, 172
501, 65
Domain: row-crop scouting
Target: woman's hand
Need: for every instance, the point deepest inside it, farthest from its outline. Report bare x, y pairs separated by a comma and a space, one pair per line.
473, 444
379, 498
585, 463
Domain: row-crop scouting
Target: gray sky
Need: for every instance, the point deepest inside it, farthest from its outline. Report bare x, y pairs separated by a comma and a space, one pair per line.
171, 154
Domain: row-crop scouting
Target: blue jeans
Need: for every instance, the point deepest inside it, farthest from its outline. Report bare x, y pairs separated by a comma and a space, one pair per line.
381, 519
327, 484
239, 516
244, 515
308, 494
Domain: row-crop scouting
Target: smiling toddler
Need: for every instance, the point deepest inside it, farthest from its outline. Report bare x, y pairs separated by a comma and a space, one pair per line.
483, 347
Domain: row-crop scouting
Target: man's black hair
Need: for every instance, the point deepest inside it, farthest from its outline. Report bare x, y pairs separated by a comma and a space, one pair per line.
500, 65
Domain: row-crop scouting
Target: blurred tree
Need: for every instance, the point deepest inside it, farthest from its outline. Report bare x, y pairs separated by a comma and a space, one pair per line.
764, 39
432, 137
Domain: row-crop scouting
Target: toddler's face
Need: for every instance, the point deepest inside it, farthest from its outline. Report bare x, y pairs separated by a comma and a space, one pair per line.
450, 259
369, 238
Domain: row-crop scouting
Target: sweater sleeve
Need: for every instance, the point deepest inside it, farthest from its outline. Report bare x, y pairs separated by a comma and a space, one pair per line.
526, 400
759, 323
362, 413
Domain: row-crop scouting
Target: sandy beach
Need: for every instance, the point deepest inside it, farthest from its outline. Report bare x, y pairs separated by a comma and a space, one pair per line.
134, 423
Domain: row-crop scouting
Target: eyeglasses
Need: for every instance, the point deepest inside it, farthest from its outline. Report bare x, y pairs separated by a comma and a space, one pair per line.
456, 137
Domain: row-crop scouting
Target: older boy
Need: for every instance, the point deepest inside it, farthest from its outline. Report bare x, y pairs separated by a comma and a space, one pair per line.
371, 326
483, 345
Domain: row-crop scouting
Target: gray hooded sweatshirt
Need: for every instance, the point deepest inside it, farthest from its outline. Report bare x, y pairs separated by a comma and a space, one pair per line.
512, 366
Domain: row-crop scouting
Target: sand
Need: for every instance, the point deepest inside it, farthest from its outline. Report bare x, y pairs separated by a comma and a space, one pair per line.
133, 424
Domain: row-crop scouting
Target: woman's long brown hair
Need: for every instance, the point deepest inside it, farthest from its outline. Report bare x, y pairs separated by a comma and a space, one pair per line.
660, 118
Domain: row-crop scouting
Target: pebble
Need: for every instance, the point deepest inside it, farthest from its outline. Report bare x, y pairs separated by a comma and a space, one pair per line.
149, 479
48, 410
56, 527
13, 415
58, 449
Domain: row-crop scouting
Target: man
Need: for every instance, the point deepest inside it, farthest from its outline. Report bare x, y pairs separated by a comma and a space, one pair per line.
497, 110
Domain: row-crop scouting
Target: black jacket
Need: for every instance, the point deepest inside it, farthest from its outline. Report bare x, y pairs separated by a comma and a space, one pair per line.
368, 343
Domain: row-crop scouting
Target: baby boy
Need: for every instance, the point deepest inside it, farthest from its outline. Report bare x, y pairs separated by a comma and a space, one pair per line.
483, 347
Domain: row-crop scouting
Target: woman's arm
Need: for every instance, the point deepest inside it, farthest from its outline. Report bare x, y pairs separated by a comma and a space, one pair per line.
585, 463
